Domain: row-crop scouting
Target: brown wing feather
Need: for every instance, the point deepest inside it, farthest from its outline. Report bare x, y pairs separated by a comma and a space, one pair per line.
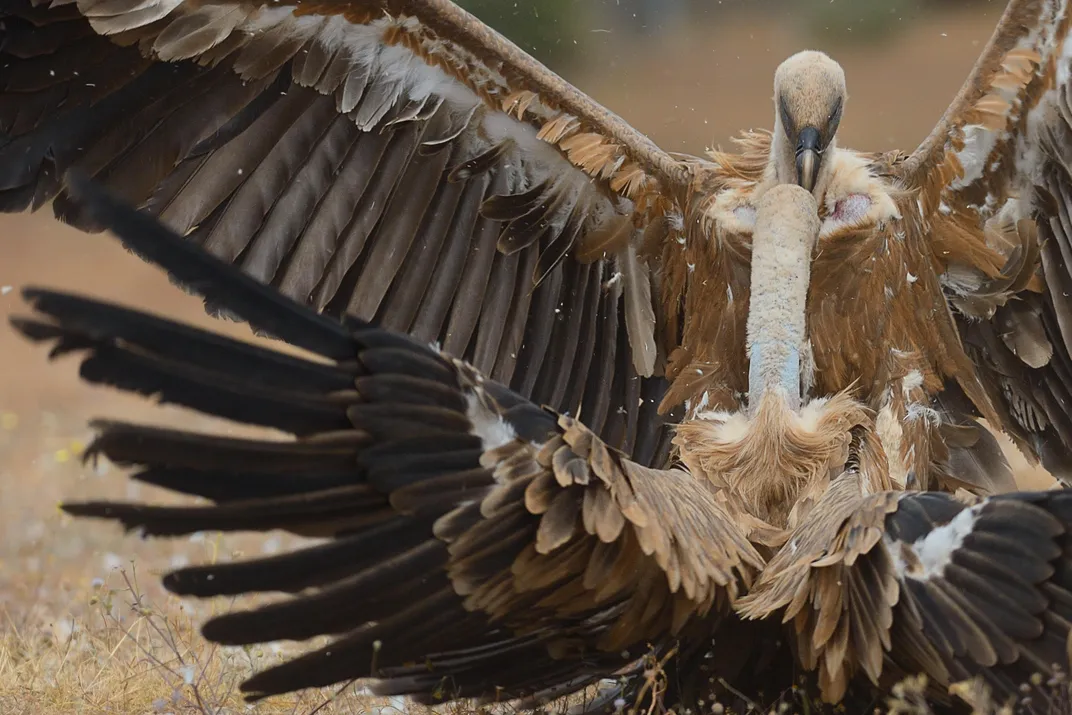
648, 535
992, 184
477, 545
1009, 65
360, 156
901, 583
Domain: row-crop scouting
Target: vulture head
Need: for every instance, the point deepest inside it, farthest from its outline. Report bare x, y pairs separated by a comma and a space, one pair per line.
809, 96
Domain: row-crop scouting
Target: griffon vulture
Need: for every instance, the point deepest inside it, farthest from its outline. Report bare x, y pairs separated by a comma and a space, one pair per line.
399, 162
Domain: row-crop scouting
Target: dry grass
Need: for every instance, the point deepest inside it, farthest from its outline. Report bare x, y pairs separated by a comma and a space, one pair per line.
85, 626
126, 654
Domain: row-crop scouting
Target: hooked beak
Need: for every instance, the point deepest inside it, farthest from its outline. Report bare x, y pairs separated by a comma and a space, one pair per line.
809, 153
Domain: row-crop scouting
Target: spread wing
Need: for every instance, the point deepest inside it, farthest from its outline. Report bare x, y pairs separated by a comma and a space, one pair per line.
399, 161
995, 199
901, 583
476, 545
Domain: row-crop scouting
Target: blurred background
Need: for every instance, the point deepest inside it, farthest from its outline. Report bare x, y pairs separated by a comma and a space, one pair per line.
690, 73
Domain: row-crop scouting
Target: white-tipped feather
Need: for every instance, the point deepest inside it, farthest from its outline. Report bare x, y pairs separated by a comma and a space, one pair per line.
934, 551
489, 426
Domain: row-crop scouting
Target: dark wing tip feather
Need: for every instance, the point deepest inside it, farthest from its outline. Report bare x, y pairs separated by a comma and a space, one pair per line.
126, 514
38, 331
217, 282
32, 329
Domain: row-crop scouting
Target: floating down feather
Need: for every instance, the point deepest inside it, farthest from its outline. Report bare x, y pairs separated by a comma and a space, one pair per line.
400, 163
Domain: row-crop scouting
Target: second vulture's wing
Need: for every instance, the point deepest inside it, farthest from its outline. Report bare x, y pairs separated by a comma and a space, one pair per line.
477, 545
898, 584
998, 163
400, 161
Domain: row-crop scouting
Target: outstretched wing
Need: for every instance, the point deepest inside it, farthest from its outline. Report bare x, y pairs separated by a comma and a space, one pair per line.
476, 544
902, 583
399, 161
999, 162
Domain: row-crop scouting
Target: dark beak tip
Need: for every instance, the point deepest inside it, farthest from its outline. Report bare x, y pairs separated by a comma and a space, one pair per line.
809, 155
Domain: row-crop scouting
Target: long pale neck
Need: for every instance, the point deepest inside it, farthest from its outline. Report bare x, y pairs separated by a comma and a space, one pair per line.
785, 232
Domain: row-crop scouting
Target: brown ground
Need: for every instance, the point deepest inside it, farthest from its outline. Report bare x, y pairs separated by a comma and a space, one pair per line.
60, 650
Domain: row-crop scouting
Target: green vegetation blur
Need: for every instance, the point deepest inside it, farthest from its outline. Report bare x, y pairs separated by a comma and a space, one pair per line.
546, 29
556, 32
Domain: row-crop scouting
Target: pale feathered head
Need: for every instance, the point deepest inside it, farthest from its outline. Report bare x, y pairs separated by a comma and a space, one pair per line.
809, 97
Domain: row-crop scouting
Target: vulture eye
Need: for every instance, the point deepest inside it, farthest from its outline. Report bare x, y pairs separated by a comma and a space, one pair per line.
787, 120
835, 113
